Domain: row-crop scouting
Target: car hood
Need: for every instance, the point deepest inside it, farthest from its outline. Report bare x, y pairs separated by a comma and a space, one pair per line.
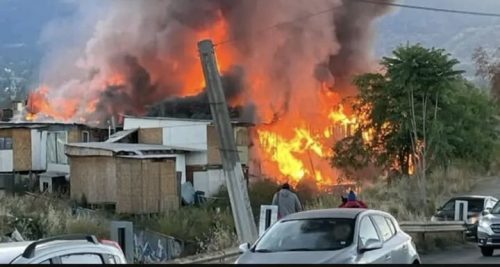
298, 257
491, 218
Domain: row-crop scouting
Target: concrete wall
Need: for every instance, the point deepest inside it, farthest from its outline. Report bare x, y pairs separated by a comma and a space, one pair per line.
6, 160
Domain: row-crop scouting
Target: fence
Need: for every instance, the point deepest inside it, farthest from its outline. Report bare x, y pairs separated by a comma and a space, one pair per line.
230, 255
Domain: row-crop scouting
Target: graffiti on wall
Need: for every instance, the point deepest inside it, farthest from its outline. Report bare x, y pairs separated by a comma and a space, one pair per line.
152, 247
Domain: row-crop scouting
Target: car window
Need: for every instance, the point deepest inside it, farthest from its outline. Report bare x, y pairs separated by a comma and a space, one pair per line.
367, 232
449, 206
496, 208
81, 259
320, 234
475, 205
490, 203
46, 262
384, 228
391, 225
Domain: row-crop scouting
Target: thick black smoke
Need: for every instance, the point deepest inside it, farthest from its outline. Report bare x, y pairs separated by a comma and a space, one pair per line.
152, 44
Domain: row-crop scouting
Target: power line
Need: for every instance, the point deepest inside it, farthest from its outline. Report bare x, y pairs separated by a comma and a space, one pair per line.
465, 12
374, 2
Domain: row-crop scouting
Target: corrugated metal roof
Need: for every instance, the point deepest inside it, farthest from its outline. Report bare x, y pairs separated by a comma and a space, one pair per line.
28, 124
126, 147
120, 135
183, 119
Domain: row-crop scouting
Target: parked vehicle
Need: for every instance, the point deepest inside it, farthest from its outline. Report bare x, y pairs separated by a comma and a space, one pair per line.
488, 231
71, 249
341, 235
475, 204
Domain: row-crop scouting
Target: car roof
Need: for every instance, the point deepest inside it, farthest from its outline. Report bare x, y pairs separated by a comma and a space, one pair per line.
471, 197
346, 213
12, 250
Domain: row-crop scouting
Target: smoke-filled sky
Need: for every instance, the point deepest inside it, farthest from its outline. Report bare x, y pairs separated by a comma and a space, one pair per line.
136, 52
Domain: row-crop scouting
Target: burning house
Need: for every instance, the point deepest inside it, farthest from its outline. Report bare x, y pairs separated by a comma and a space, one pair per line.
294, 75
202, 165
34, 152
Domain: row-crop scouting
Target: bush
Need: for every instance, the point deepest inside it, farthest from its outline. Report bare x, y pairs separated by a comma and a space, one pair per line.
37, 218
196, 226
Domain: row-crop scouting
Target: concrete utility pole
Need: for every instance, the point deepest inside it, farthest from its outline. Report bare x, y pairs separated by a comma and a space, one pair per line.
238, 193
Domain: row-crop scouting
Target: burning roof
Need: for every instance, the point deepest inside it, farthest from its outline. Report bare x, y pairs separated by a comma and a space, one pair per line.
294, 74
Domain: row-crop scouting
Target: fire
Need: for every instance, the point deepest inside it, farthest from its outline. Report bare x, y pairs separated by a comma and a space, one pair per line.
306, 153
294, 143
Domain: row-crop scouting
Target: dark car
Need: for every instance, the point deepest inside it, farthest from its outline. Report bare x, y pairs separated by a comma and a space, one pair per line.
475, 205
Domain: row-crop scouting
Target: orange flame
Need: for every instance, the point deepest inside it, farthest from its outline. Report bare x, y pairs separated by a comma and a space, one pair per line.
296, 146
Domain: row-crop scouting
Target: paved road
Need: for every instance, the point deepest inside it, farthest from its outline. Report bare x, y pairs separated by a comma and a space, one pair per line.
468, 254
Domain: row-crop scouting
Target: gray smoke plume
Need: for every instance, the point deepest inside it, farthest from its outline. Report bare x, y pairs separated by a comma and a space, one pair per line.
143, 52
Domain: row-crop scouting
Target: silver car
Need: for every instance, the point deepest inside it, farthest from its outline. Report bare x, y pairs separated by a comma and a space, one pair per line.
332, 236
72, 249
488, 231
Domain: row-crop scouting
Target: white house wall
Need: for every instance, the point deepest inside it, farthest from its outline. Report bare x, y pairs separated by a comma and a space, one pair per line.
200, 181
197, 158
6, 160
180, 166
36, 151
209, 181
133, 123
189, 136
215, 181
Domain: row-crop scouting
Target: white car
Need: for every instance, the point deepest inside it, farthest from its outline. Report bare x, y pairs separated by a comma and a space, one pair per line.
71, 249
332, 236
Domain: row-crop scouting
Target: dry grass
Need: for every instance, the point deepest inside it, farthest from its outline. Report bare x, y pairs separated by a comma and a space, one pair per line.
41, 217
401, 199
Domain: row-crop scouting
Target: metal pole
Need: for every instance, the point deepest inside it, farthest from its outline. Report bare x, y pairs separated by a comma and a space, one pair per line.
238, 193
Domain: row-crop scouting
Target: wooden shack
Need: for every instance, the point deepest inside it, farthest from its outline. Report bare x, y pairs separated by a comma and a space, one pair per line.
134, 178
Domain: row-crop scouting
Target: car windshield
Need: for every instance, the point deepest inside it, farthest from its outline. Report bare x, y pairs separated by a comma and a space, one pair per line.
473, 205
308, 235
496, 208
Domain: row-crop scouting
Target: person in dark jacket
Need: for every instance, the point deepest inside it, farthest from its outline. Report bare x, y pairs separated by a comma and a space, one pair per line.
287, 201
352, 202
344, 200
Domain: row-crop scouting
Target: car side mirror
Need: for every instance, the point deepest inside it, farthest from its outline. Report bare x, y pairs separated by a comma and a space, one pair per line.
244, 247
370, 245
485, 212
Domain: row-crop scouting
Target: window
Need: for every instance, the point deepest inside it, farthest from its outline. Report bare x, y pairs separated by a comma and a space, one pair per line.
449, 206
367, 232
308, 235
55, 147
384, 228
5, 143
391, 225
85, 136
49, 261
81, 259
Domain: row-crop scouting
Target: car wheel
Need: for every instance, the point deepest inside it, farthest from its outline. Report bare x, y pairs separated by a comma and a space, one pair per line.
487, 252
416, 262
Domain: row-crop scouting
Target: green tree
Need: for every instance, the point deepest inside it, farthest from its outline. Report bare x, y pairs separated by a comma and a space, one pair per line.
419, 113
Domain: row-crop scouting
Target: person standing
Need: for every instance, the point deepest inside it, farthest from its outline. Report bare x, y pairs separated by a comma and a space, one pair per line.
353, 202
287, 201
